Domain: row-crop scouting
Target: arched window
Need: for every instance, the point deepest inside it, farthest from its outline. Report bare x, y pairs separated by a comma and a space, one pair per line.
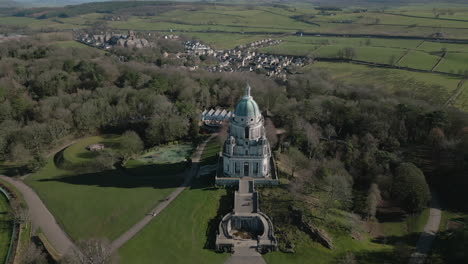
246, 152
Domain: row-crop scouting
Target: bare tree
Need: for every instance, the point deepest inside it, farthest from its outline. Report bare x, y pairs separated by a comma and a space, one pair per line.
270, 131
295, 160
33, 255
373, 200
338, 189
329, 131
18, 213
92, 251
313, 133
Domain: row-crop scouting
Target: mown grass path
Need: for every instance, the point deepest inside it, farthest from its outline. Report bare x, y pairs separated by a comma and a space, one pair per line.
116, 244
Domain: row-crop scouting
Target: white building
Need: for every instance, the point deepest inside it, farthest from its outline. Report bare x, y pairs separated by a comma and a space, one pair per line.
246, 152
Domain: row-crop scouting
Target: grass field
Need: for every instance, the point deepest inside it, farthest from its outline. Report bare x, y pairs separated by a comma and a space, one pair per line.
308, 250
419, 60
437, 88
5, 227
462, 100
98, 204
179, 233
454, 63
225, 41
412, 224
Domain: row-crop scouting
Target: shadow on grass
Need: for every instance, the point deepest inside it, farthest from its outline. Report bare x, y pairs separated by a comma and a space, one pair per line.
381, 256
87, 155
391, 216
451, 246
129, 178
14, 170
152, 169
226, 205
408, 239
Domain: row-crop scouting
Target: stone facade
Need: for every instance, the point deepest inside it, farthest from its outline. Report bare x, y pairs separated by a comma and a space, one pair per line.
246, 152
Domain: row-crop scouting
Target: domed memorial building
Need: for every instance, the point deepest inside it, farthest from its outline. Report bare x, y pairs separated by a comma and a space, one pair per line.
246, 151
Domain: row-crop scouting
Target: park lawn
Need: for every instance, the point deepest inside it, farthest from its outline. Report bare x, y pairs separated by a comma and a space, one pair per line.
419, 60
454, 62
438, 88
179, 233
77, 152
5, 227
97, 204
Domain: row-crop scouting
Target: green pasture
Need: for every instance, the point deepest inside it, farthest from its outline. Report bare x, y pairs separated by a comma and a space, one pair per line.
19, 21
431, 46
419, 60
454, 63
97, 204
292, 48
180, 232
225, 41
435, 88
462, 100
5, 227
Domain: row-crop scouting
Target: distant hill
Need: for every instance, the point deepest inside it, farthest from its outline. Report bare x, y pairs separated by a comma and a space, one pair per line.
8, 3
377, 2
41, 3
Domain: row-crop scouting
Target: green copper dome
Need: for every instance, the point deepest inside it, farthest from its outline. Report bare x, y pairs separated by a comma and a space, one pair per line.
247, 106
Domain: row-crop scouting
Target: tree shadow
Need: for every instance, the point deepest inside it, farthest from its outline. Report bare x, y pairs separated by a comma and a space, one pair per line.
117, 178
226, 205
408, 239
14, 170
88, 154
151, 169
390, 215
381, 256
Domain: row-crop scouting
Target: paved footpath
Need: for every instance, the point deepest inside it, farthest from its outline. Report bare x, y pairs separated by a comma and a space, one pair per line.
116, 244
428, 235
245, 255
42, 218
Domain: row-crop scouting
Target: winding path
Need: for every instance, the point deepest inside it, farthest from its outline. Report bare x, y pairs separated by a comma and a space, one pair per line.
428, 235
42, 218
116, 244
